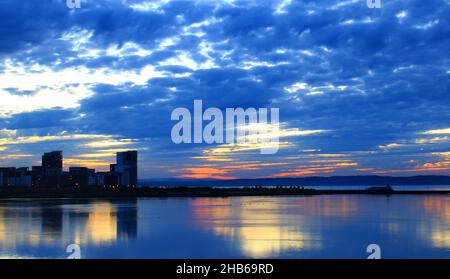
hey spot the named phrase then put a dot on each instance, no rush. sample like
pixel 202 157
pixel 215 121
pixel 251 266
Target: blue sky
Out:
pixel 360 91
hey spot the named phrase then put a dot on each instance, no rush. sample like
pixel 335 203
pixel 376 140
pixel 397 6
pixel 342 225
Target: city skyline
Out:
pixel 64 166
pixel 51 174
pixel 360 91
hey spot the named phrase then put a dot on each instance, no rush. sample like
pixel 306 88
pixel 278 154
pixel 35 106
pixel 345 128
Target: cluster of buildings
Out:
pixel 51 174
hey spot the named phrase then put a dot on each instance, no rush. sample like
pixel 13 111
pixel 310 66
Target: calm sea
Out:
pixel 334 226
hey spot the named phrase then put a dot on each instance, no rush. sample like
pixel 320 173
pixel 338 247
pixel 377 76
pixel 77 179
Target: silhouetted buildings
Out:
pixel 81 176
pixel 121 174
pixel 127 168
pixel 52 163
pixel 15 177
pixel 51 174
pixel 108 179
pixel 36 175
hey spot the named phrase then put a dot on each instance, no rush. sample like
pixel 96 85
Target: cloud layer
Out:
pixel 107 76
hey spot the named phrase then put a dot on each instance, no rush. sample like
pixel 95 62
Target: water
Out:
pixel 364 187
pixel 395 187
pixel 332 226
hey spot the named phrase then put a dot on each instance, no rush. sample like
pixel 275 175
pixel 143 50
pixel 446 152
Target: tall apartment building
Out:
pixel 127 168
pixel 52 163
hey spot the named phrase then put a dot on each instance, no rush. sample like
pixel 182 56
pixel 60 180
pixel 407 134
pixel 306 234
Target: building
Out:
pixel 23 177
pixel 108 179
pixel 6 176
pixel 51 175
pixel 112 167
pixel 15 177
pixel 52 163
pixel 36 175
pixel 52 171
pixel 126 167
pixel 82 177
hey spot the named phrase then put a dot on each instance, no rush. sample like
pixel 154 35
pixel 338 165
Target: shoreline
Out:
pixel 148 192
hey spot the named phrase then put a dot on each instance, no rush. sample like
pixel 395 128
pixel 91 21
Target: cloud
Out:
pixel 327 168
pixel 15 156
pixel 37 139
pixel 445 131
pixel 203 173
pixel 356 79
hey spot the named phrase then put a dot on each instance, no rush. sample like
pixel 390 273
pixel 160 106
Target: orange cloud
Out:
pixel 221 172
pixel 15 156
pixel 97 164
pixel 366 169
pixel 313 170
pixel 204 172
pixel 438 166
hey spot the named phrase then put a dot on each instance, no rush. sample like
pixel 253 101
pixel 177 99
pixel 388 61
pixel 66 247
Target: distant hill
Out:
pixel 365 180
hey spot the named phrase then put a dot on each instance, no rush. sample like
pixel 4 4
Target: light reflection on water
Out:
pixel 334 226
pixel 262 228
pixel 439 212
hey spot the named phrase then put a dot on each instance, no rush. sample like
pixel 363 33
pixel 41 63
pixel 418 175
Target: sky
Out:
pixel 360 91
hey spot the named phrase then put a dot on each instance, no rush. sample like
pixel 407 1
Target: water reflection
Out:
pixel 100 226
pixel 268 227
pixel 34 223
pixel 51 220
pixel 439 209
pixel 332 225
pixel 339 226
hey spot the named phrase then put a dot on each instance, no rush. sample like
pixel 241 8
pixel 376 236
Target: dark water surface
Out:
pixel 332 226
